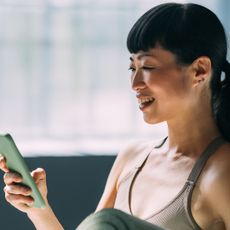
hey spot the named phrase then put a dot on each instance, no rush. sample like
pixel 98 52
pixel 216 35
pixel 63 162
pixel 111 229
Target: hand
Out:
pixel 19 195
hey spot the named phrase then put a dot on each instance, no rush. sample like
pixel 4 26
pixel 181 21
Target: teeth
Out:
pixel 145 100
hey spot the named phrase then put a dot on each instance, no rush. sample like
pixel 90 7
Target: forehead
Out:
pixel 157 53
pixel 140 55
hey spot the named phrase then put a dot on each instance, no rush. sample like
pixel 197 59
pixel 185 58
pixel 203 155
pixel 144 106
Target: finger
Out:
pixel 18 189
pixel 12 177
pixel 3 165
pixel 38 174
pixel 16 199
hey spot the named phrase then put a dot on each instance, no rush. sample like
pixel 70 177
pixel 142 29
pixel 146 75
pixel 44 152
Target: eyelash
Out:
pixel 145 68
pixel 131 69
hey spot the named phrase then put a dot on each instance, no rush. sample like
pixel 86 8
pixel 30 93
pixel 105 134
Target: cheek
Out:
pixel 169 100
pixel 168 86
pixel 171 90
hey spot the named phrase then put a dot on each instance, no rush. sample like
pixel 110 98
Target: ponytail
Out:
pixel 226 70
pixel 222 110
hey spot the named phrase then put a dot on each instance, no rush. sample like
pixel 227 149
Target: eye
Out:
pixel 132 69
pixel 148 68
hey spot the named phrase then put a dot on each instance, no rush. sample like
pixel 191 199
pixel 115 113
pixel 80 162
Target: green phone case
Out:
pixel 16 162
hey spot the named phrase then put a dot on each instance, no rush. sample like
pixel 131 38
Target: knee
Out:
pixel 109 219
pixel 110 212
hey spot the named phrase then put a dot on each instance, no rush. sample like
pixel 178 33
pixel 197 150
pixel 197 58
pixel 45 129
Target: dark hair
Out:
pixel 189 31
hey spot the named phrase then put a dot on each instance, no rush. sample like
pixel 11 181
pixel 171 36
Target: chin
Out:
pixel 151 120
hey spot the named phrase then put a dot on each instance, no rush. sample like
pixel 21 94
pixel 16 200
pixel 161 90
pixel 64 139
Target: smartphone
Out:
pixel 16 163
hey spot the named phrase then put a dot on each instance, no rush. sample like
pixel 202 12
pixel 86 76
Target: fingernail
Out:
pixel 31 202
pixel 18 179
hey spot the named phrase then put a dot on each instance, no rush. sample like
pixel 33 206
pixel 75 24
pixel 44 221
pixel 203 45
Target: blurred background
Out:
pixel 65 94
pixel 64 79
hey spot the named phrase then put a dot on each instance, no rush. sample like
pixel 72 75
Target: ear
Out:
pixel 201 70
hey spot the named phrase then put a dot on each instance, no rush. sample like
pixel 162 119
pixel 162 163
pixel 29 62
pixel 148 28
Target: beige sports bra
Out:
pixel 177 213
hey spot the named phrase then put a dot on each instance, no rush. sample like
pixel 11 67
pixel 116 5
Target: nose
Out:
pixel 137 81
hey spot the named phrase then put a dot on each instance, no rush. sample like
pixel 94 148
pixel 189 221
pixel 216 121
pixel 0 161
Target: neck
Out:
pixel 191 135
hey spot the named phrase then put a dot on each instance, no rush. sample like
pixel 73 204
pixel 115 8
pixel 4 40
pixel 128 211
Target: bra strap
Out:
pixel 199 165
pixel 142 163
pixel 138 169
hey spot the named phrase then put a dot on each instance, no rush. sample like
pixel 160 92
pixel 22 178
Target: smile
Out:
pixel 145 102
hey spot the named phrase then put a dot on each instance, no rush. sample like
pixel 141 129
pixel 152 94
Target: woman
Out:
pixel 178 55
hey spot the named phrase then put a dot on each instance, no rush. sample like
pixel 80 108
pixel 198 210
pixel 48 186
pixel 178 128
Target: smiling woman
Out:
pixel 178 55
pixel 158 80
pixel 176 67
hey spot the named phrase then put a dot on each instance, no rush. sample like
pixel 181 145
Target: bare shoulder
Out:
pixel 218 168
pixel 132 153
pixel 220 163
pixel 132 156
pixel 126 160
pixel 216 184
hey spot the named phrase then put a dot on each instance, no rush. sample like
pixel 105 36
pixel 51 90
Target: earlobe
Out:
pixel 202 69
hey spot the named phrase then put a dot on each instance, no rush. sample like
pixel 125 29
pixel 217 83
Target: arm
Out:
pixel 19 196
pixel 221 197
pixel 219 189
pixel 43 218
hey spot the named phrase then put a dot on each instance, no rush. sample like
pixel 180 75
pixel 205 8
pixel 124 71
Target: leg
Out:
pixel 113 219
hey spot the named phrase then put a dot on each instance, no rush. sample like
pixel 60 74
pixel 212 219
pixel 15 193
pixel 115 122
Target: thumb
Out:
pixel 39 175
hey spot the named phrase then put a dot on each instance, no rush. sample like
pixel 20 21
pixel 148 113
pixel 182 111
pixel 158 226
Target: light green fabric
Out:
pixel 113 219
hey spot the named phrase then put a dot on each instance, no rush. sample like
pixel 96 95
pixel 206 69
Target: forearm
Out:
pixel 45 219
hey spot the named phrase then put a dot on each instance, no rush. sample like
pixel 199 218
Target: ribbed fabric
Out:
pixel 176 214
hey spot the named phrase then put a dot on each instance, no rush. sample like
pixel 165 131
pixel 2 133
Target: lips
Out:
pixel 145 102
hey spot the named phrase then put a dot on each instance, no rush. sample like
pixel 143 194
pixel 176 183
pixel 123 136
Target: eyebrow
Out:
pixel 141 56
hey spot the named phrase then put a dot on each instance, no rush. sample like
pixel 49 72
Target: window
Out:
pixel 64 79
